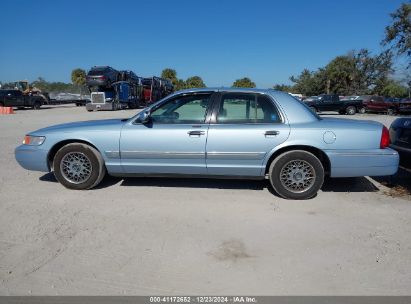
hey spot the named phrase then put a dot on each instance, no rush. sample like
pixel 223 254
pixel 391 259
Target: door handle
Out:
pixel 271 133
pixel 195 133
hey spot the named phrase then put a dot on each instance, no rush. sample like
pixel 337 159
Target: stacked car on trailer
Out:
pixel 112 90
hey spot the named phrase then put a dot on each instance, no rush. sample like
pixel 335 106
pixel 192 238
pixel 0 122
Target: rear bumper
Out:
pixel 352 163
pixel 32 158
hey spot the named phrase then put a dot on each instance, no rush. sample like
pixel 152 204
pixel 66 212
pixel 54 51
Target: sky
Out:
pixel 221 41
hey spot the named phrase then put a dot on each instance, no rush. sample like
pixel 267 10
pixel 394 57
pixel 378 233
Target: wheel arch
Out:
pixel 325 161
pixel 60 144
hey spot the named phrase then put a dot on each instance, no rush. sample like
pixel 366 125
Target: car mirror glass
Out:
pixel 144 117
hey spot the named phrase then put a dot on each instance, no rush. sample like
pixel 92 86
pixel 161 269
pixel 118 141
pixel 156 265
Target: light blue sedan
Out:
pixel 215 133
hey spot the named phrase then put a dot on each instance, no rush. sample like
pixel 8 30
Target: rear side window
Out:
pixel 247 108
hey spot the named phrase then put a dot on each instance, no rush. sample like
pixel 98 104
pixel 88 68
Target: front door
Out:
pixel 247 126
pixel 172 142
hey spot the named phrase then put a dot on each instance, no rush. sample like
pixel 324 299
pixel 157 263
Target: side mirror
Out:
pixel 144 117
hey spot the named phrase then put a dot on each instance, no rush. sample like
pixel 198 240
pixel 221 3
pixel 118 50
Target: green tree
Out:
pixel 340 74
pixel 194 82
pixel 398 33
pixel 354 73
pixel 243 83
pixel 284 88
pixel 180 85
pixel 394 89
pixel 170 74
pixel 78 77
pixel 309 83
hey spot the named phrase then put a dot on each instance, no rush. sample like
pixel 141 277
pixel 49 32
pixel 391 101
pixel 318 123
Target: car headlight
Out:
pixel 33 140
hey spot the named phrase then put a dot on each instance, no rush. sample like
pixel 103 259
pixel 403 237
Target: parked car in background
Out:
pixel 400 134
pixel 102 76
pixel 327 102
pixel 156 88
pixel 379 104
pixel 16 98
pixel 404 106
pixel 237 133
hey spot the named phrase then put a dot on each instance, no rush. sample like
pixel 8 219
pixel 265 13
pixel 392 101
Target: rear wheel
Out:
pixel 391 111
pixel 351 110
pixel 313 109
pixel 78 166
pixel 362 110
pixel 36 105
pixel 296 175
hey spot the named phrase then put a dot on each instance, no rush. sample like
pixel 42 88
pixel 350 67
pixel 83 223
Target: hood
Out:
pixel 91 125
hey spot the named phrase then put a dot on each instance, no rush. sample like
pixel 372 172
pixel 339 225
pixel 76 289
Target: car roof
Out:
pixel 226 89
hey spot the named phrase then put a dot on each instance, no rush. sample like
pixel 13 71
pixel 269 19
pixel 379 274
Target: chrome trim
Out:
pixel 235 155
pixel 362 154
pixel 112 154
pixel 168 154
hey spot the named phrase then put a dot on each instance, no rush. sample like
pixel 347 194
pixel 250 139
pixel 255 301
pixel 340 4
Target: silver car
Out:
pixel 215 133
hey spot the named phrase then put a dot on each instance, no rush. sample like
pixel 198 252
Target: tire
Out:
pixel 391 111
pixel 281 166
pixel 350 110
pixel 36 105
pixel 78 154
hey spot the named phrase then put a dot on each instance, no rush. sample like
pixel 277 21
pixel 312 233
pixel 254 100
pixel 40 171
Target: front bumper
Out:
pixel 108 106
pixel 32 158
pixel 353 163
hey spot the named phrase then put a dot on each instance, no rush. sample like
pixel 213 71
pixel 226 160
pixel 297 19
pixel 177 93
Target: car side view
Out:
pixel 215 133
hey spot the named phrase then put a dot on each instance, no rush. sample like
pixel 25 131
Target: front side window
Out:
pixel 247 108
pixel 188 109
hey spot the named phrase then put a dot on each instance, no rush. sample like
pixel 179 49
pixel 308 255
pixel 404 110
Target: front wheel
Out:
pixel 351 110
pixel 78 166
pixel 296 175
pixel 362 110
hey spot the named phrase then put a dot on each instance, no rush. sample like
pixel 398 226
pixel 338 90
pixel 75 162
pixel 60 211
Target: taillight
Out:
pixel 385 138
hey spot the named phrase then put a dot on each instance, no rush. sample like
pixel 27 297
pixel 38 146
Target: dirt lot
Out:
pixel 184 236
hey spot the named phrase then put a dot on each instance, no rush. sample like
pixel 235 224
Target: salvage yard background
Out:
pixel 186 236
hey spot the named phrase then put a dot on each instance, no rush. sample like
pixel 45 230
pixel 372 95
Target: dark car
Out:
pixel 400 135
pixel 102 76
pixel 16 98
pixel 331 102
pixel 129 76
pixel 404 106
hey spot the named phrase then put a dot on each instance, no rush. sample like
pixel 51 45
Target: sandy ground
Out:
pixel 187 237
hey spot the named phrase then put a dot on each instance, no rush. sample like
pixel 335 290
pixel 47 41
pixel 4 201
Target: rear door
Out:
pixel 244 127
